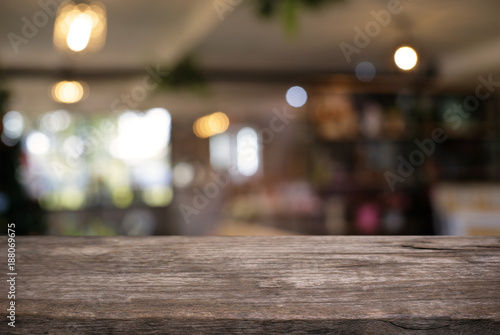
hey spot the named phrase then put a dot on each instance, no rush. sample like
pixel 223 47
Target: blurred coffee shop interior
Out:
pixel 263 117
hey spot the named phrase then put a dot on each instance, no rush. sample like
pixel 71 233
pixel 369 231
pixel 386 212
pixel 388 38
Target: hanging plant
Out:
pixel 289 10
pixel 185 75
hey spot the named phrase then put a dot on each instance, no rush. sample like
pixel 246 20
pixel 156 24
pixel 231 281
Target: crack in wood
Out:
pixel 415 328
pixel 427 248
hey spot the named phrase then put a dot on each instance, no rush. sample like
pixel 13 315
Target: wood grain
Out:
pixel 256 285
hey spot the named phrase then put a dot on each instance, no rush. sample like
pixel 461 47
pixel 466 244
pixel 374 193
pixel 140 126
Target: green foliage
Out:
pixel 188 76
pixel 185 75
pixel 289 10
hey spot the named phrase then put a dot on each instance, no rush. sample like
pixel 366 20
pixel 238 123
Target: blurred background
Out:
pixel 264 117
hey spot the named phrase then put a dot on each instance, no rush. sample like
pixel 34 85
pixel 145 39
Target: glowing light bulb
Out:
pixel 67 92
pixel 80 27
pixel 79 32
pixel 405 58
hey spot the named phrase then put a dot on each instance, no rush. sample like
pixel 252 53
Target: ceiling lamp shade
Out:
pixel 80 27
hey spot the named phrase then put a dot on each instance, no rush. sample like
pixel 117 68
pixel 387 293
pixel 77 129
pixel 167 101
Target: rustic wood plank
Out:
pixel 256 285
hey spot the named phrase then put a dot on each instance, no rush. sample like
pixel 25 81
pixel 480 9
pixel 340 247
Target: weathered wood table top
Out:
pixel 255 285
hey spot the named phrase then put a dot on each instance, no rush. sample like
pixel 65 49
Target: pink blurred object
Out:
pixel 367 218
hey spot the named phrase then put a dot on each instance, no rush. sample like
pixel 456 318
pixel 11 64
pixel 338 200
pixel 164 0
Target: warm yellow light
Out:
pixel 79 32
pixel 68 92
pixel 210 125
pixel 80 27
pixel 405 58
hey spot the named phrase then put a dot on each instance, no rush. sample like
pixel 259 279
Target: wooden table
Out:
pixel 255 285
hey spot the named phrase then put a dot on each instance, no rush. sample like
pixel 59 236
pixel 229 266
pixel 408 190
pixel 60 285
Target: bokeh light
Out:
pixel 296 96
pixel 38 143
pixel 210 125
pixel 80 27
pixel 122 197
pixel 142 136
pixel 405 58
pixel 13 125
pixel 220 151
pixel 247 146
pixel 68 92
pixel 365 71
pixel 56 121
pixel 183 174
pixel 157 196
